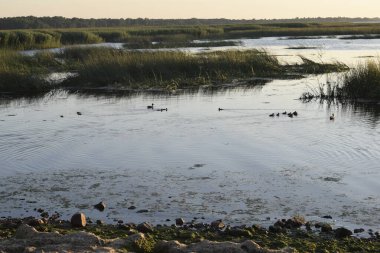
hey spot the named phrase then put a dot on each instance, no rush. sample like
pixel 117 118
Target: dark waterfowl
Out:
pixel 150 106
pixel 290 115
pixel 278 114
pixel 295 113
pixel 220 109
pixel 271 115
pixel 332 117
pixel 284 113
pixel 61 116
pixel 166 109
pixel 79 113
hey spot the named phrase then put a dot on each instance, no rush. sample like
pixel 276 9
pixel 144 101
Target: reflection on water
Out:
pixel 193 160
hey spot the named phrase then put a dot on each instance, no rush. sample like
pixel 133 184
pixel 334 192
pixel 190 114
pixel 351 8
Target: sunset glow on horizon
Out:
pixel 237 9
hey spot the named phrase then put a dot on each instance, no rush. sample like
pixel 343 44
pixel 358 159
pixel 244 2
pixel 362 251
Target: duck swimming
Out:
pixel 332 117
pixel 295 113
pixel 271 115
pixel 284 113
pixel 220 109
pixel 290 115
pixel 150 106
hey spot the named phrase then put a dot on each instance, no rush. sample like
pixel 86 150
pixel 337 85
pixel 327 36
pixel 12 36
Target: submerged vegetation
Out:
pixel 169 70
pixel 180 44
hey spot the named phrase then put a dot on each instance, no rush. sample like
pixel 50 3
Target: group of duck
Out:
pixel 290 114
pixel 158 110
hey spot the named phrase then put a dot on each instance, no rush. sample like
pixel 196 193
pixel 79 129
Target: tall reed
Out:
pixel 363 81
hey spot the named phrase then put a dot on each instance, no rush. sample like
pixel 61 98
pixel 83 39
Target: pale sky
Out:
pixel 233 9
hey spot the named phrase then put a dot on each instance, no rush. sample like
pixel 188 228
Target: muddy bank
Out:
pixel 50 234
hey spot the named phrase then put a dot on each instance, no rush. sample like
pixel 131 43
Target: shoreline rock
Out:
pixel 53 235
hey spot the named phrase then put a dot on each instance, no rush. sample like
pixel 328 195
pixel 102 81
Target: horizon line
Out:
pixel 293 18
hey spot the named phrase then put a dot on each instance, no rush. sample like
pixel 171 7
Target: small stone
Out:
pixel 218 224
pixel 342 232
pixel 143 211
pixel 120 221
pixel 40 210
pixel 100 206
pixel 179 222
pixel 45 215
pixel 295 222
pixel 237 232
pixel 279 223
pixel 132 208
pixel 99 222
pixel 145 228
pixel 359 230
pixel 200 225
pixel 78 220
pixel 35 222
pixel 308 226
pixel 277 229
pixel 326 228
pixel 327 217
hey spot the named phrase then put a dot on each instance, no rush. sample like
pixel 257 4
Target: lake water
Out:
pixel 238 164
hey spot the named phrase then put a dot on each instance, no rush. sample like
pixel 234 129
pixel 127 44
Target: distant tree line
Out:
pixel 32 22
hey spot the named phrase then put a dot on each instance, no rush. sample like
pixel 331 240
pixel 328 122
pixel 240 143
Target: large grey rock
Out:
pixel 215 247
pixel 28 239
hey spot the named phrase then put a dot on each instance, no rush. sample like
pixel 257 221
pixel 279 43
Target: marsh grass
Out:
pixel 20 73
pixel 48 38
pixel 170 69
pixel 130 69
pixel 98 67
pixel 363 81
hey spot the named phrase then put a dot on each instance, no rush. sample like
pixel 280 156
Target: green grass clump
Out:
pixel 311 67
pixel 79 37
pixel 22 40
pixel 363 81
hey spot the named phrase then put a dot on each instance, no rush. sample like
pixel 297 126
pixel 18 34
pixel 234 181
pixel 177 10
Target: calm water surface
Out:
pixel 192 161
